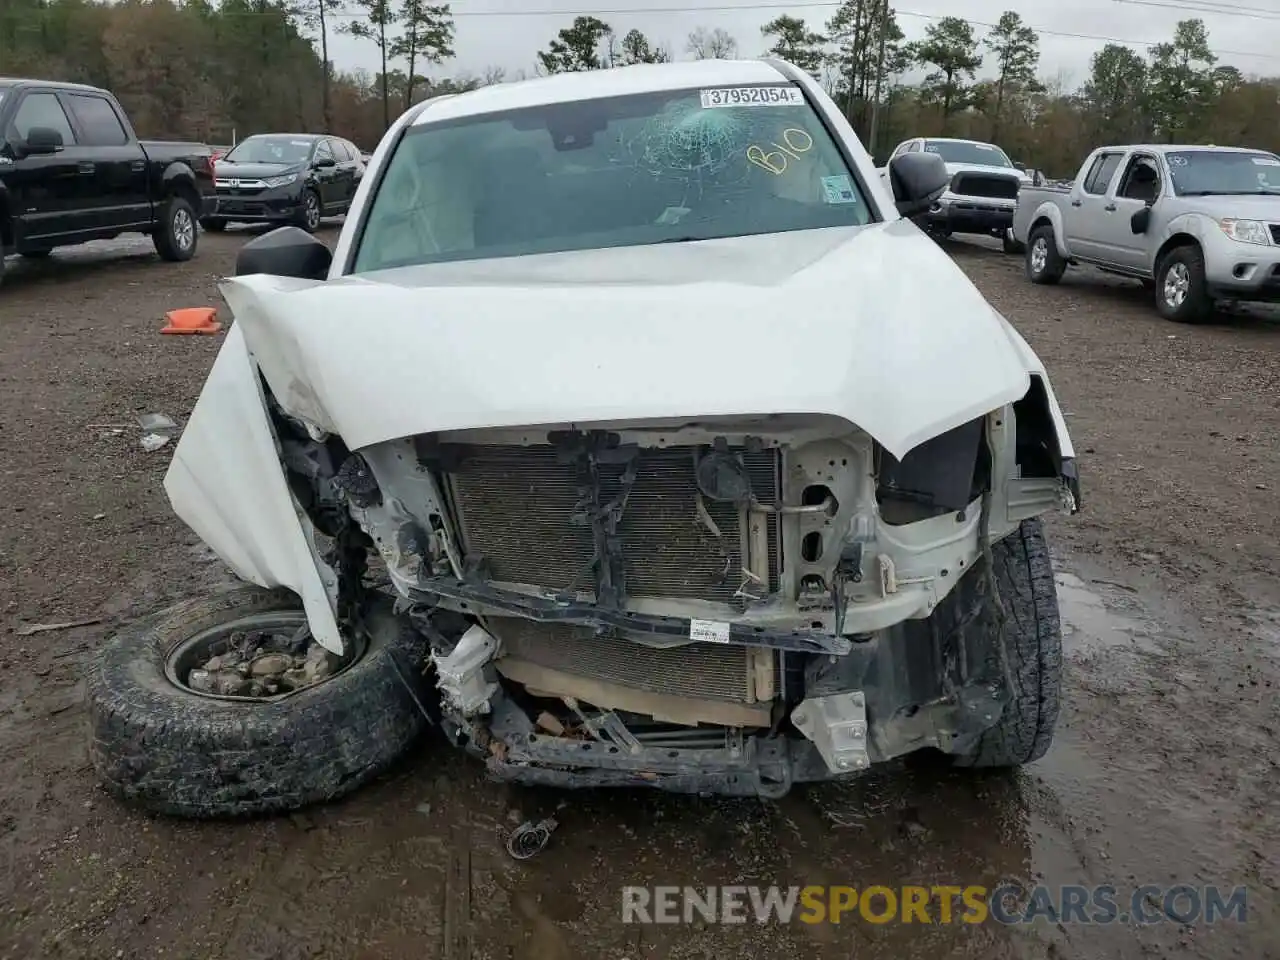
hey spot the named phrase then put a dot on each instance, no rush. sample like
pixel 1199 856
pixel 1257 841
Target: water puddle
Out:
pixel 1090 624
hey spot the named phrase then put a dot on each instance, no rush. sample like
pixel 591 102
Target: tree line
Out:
pixel 209 70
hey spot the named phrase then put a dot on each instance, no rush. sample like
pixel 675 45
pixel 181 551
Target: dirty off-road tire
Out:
pixel 1044 263
pixel 1033 645
pixel 1181 292
pixel 174 752
pixel 176 235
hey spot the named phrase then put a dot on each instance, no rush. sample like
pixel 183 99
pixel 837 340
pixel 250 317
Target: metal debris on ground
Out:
pixel 256 665
pixel 157 430
pixel 531 838
pixel 28 629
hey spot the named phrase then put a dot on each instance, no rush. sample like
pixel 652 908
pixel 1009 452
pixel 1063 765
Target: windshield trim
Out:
pixel 413 123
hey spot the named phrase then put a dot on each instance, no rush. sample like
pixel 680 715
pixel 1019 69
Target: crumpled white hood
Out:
pixel 875 325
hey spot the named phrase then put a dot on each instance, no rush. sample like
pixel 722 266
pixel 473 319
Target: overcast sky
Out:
pixel 508 33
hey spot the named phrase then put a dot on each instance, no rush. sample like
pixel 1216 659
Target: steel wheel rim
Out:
pixel 1039 255
pixel 184 229
pixel 1177 285
pixel 313 211
pixel 195 650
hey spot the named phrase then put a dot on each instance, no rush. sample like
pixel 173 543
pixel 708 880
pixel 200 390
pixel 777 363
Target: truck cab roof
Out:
pixel 11 83
pixel 1163 148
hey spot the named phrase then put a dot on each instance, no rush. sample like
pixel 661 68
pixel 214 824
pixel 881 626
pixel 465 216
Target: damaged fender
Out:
pixel 226 483
pixel 1036 368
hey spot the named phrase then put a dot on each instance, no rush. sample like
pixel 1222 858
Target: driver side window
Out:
pixel 41 110
pixel 1141 180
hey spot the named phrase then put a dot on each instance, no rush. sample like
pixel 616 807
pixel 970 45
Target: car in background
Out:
pixel 1193 223
pixel 983 190
pixel 296 178
pixel 72 170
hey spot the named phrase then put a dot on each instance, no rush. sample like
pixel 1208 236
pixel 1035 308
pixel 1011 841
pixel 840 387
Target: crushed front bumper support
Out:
pixel 480 597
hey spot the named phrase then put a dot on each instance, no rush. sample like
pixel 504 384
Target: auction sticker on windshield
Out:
pixel 752 97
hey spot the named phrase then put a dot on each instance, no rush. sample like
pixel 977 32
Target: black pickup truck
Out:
pixel 72 170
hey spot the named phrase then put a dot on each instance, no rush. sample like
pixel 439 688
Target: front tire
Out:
pixel 170 750
pixel 176 235
pixel 1182 294
pixel 1032 648
pixel 309 214
pixel 1044 264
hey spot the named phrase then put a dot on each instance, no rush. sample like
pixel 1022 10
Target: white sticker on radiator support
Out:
pixel 709 631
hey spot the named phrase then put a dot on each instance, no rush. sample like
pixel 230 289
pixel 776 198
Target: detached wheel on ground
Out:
pixel 175 236
pixel 309 213
pixel 213 224
pixel 192 714
pixel 1032 641
pixel 1181 292
pixel 1044 264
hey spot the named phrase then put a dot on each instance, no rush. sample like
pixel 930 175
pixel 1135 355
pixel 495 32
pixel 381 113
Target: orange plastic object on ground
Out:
pixel 192 320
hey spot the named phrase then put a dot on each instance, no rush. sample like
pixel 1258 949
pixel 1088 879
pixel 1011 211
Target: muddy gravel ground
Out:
pixel 1164 771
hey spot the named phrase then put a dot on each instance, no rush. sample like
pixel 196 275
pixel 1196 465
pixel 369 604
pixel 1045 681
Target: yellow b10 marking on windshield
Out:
pixel 794 142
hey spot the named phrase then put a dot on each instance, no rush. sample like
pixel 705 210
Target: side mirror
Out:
pixel 1140 220
pixel 917 179
pixel 285 252
pixel 324 162
pixel 42 141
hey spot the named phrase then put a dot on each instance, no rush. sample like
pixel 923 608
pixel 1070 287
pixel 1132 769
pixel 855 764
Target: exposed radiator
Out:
pixel 983 185
pixel 700 671
pixel 515 506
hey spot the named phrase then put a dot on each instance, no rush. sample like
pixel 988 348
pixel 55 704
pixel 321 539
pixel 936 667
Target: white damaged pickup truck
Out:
pixel 632 436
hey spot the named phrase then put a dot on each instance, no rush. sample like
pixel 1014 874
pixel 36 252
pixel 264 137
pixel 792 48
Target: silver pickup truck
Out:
pixel 1195 223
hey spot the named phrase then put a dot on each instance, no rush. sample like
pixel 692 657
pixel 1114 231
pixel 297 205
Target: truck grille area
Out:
pixel 981 185
pixel 516 507
pixel 699 671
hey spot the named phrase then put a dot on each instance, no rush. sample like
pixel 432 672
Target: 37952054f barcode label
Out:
pixel 778 96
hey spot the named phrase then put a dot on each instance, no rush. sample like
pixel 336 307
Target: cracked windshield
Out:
pixel 653 168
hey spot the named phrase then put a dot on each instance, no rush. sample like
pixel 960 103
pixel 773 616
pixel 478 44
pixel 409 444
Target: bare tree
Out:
pixel 714 44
